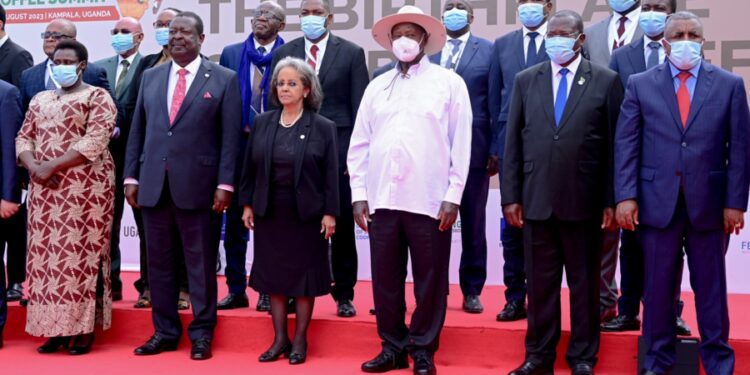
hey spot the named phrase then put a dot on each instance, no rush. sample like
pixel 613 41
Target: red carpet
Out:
pixel 470 344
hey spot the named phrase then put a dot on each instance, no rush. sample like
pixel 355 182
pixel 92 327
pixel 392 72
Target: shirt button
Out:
pixel 556 137
pixel 169 133
pixel 684 144
pixel 164 159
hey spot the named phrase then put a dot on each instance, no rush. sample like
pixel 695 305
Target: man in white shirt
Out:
pixel 408 164
pixel 613 32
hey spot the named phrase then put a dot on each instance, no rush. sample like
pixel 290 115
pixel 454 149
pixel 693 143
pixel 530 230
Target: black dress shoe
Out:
pixel 14 293
pixel 270 356
pixel 233 301
pixel 649 372
pixel 472 304
pixel 513 310
pixel 682 328
pixel 264 303
pixel 345 309
pixel 297 358
pixel 423 364
pixel 606 314
pixel 81 344
pixel 201 349
pixel 386 361
pixel 531 368
pixel 156 345
pixel 622 323
pixel 54 344
pixel 372 311
pixel 582 368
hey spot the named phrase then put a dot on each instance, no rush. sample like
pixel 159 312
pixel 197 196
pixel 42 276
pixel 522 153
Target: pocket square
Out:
pixel 207 95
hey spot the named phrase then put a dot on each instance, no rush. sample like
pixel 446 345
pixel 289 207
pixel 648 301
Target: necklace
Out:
pixel 289 125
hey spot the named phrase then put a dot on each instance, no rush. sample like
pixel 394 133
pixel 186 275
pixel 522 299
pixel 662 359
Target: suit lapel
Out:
pixel 332 49
pixel 581 82
pixel 163 90
pixel 129 77
pixel 520 53
pixel 270 137
pixel 203 75
pixel 111 67
pixel 469 51
pixel 702 91
pixel 544 88
pixel 637 56
pixel 666 85
pixel 301 146
pixel 41 77
pixel 4 50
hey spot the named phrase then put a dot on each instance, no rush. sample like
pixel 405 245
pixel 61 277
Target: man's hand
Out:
pixel 627 214
pixel 362 214
pixel 8 209
pixel 447 215
pixel 493 165
pixel 222 200
pixel 734 220
pixel 328 226
pixel 513 214
pixel 131 195
pixel 248 217
pixel 608 220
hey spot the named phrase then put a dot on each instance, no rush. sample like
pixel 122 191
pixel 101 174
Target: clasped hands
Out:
pixel 44 173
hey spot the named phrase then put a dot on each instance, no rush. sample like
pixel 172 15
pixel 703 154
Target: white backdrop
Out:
pixel 228 21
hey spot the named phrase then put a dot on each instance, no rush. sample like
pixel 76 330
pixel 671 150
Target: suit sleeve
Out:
pixel 512 176
pixel 247 175
pixel 496 101
pixel 12 118
pixel 359 78
pixel 224 59
pixel 628 145
pixel 137 136
pixel 738 169
pixel 22 62
pixel 614 101
pixel 231 124
pixel 332 204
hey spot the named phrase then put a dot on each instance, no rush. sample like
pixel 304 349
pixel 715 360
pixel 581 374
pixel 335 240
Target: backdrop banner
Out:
pixel 228 21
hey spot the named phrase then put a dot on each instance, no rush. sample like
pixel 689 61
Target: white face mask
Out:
pixel 405 49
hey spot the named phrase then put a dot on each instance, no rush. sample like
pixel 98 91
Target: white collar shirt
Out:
pixel 120 59
pixel 557 76
pixel 542 30
pixel 630 26
pixel 192 69
pixel 322 44
pixel 647 50
pixel 448 48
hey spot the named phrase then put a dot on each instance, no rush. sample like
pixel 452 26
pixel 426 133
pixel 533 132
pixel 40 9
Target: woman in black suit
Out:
pixel 289 190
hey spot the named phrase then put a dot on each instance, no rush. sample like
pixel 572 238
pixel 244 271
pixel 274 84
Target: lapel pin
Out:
pixel 207 75
pixel 581 81
pixel 302 136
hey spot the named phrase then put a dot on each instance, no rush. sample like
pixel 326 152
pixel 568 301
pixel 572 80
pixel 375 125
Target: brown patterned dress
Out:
pixel 69 227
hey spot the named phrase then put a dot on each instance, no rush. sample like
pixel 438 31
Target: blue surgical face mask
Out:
pixel 620 6
pixel 531 14
pixel 653 23
pixel 162 36
pixel 455 19
pixel 313 26
pixel 685 54
pixel 122 43
pixel 65 75
pixel 560 49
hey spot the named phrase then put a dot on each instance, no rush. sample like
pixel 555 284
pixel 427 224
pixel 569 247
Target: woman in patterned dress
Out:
pixel 63 144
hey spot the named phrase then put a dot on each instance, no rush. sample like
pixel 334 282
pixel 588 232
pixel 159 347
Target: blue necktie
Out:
pixel 562 96
pixel 653 58
pixel 531 50
pixel 454 52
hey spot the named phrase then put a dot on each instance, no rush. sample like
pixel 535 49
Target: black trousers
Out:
pixel 393 236
pixel 114 242
pixel 142 283
pixel 199 231
pixel 343 246
pixel 473 268
pixel 552 245
pixel 13 234
pixel 236 235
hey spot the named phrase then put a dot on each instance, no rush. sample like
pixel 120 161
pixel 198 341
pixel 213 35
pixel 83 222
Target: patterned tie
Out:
pixel 653 58
pixel 619 42
pixel 450 64
pixel 121 78
pixel 562 96
pixel 50 82
pixel 314 61
pixel 179 95
pixel 256 100
pixel 683 97
pixel 531 49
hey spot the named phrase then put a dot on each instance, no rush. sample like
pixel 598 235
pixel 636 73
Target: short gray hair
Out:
pixel 326 5
pixel 309 79
pixel 683 16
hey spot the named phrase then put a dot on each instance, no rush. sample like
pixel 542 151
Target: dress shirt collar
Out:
pixel 192 68
pixel 573 67
pixel 542 30
pixel 693 72
pixel 463 38
pixel 3 40
pixel 130 59
pixel 268 46
pixel 633 16
pixel 321 44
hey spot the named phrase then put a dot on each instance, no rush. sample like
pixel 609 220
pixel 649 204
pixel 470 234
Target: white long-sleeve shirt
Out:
pixel 411 143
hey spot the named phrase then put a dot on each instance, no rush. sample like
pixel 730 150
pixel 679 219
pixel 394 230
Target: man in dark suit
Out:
pixel 342 71
pixel 557 186
pixel 11 118
pixel 681 162
pixel 127 36
pixel 13 60
pixel 637 57
pixel 251 60
pixel 512 53
pixel 180 169
pixel 161 26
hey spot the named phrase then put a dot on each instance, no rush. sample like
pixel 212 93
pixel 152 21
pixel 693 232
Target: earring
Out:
pixel 305 96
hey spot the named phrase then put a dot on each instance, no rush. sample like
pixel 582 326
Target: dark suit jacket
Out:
pixel 315 166
pixel 629 60
pixel 13 61
pixel 343 76
pixel 147 62
pixel 11 119
pixel 564 171
pixel 596 48
pixel 655 158
pixel 507 61
pixel 198 151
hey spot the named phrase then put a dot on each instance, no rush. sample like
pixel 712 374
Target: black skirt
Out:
pixel 290 255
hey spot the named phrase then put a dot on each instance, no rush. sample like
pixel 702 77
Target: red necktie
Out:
pixel 683 97
pixel 179 95
pixel 314 52
pixel 619 42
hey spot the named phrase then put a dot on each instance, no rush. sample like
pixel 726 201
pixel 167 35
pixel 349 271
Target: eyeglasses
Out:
pixel 55 35
pixel 122 31
pixel 572 36
pixel 266 13
pixel 159 25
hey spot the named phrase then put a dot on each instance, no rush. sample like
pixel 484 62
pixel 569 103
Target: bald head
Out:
pixel 129 23
pixel 64 26
pixel 59 29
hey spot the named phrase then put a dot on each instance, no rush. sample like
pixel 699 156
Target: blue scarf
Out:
pixel 250 55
